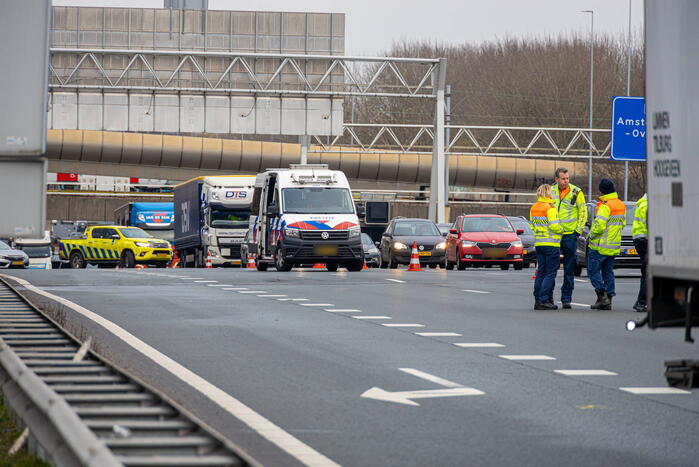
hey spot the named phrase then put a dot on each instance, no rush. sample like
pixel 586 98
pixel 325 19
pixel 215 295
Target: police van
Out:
pixel 304 215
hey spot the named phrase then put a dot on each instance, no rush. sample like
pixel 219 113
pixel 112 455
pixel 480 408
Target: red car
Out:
pixel 484 239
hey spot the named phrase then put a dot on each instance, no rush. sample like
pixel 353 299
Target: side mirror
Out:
pixel 453 231
pixel 272 211
pixel 115 236
pixel 444 234
pixel 520 231
pixel 361 211
pixel 377 243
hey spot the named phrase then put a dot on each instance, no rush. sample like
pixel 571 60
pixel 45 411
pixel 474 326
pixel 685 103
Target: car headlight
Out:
pixel 517 243
pixel 440 246
pixel 143 244
pixel 354 232
pixel 468 244
pixel 399 246
pixel 295 233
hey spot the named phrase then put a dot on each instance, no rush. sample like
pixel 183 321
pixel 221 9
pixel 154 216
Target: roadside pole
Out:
pixel 628 93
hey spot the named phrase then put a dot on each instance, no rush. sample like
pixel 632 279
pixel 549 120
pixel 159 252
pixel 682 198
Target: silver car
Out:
pixel 11 258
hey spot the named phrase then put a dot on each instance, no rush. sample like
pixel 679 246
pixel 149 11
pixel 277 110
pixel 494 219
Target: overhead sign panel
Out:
pixel 628 128
pixel 24 59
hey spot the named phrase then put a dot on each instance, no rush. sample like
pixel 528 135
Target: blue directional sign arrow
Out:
pixel 628 128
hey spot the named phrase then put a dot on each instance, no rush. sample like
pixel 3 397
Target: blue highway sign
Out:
pixel 628 128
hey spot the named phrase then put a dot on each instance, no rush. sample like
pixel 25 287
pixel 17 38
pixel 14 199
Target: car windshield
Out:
pixel 36 251
pixel 317 200
pixel 231 218
pixel 416 229
pixel 134 232
pixel 366 240
pixel 4 246
pixel 522 224
pixel 485 224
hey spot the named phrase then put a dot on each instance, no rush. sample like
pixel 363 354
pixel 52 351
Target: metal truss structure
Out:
pixel 242 73
pixel 472 140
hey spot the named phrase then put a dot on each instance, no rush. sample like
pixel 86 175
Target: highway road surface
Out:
pixel 389 367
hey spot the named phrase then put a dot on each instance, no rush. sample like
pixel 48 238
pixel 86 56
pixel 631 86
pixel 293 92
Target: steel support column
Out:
pixel 438 176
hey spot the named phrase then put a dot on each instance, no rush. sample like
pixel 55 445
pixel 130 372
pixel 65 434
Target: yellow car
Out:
pixel 110 245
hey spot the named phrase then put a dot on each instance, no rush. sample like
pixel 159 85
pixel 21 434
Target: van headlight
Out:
pixel 294 233
pixel 354 232
pixel 399 246
pixel 440 246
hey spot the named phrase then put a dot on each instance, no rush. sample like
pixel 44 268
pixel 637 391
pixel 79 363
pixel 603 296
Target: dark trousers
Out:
pixel 569 243
pixel 600 268
pixel 641 245
pixel 548 258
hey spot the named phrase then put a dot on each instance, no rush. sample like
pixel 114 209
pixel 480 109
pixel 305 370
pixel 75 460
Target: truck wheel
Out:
pixel 127 260
pixel 355 266
pixel 261 265
pixel 505 267
pixel 332 267
pixel 280 263
pixel 77 260
pixel 518 266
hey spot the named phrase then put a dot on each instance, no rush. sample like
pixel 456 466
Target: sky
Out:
pixel 371 26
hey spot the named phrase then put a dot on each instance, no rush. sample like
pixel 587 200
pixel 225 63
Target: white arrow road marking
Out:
pixel 431 378
pixel 404 397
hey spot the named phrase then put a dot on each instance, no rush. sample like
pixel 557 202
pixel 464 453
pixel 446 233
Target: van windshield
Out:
pixel 222 217
pixel 36 251
pixel 317 200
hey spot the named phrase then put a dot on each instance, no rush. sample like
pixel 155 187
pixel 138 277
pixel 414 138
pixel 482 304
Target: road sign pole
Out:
pixel 628 93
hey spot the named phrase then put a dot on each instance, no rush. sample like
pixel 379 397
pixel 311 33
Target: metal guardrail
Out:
pixel 81 411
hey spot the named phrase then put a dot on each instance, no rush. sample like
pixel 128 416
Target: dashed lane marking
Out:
pixel 372 317
pixel 235 288
pixel 403 325
pixel 219 285
pixel 438 334
pixel 396 280
pixel 251 291
pixel 190 278
pixel 586 372
pixel 431 378
pixel 316 304
pixel 205 282
pixel 271 296
pixel 478 344
pixel 474 291
pixel 526 357
pixel 293 299
pixel 261 425
pixel 650 390
pixel 342 310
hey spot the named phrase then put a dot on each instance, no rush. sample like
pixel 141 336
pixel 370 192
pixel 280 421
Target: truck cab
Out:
pixel 158 219
pixel 38 250
pixel 304 215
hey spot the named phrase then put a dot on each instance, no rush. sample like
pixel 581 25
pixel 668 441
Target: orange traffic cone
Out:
pixel 175 260
pixel 208 260
pixel 251 262
pixel 319 266
pixel 414 259
pixel 365 266
pixel 140 266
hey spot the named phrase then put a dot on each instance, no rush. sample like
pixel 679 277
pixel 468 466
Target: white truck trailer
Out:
pixel 211 219
pixel 672 113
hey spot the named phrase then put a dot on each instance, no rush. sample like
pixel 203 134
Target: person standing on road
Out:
pixel 604 242
pixel 640 241
pixel 543 217
pixel 572 211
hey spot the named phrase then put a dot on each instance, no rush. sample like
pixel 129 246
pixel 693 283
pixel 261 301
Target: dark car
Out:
pixel 396 243
pixel 628 257
pixel 371 253
pixel 484 240
pixel 527 237
pixel 11 258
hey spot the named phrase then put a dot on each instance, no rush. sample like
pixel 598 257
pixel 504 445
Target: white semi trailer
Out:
pixel 672 116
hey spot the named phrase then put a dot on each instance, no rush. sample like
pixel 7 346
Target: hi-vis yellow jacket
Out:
pixel 640 218
pixel 543 217
pixel 610 219
pixel 571 209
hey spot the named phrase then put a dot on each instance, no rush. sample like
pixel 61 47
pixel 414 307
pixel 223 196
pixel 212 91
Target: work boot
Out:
pixel 602 300
pixel 545 306
pixel 566 306
pixel 640 307
pixel 609 306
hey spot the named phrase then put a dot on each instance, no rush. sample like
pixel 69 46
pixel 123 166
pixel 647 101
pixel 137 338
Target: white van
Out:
pixel 38 250
pixel 304 215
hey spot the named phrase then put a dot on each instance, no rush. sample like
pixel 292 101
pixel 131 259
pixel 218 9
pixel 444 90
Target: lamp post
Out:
pixel 628 93
pixel 592 88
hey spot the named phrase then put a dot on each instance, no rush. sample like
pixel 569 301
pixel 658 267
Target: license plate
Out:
pixel 425 253
pixel 494 253
pixel 225 251
pixel 17 263
pixel 326 250
pixel 631 252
